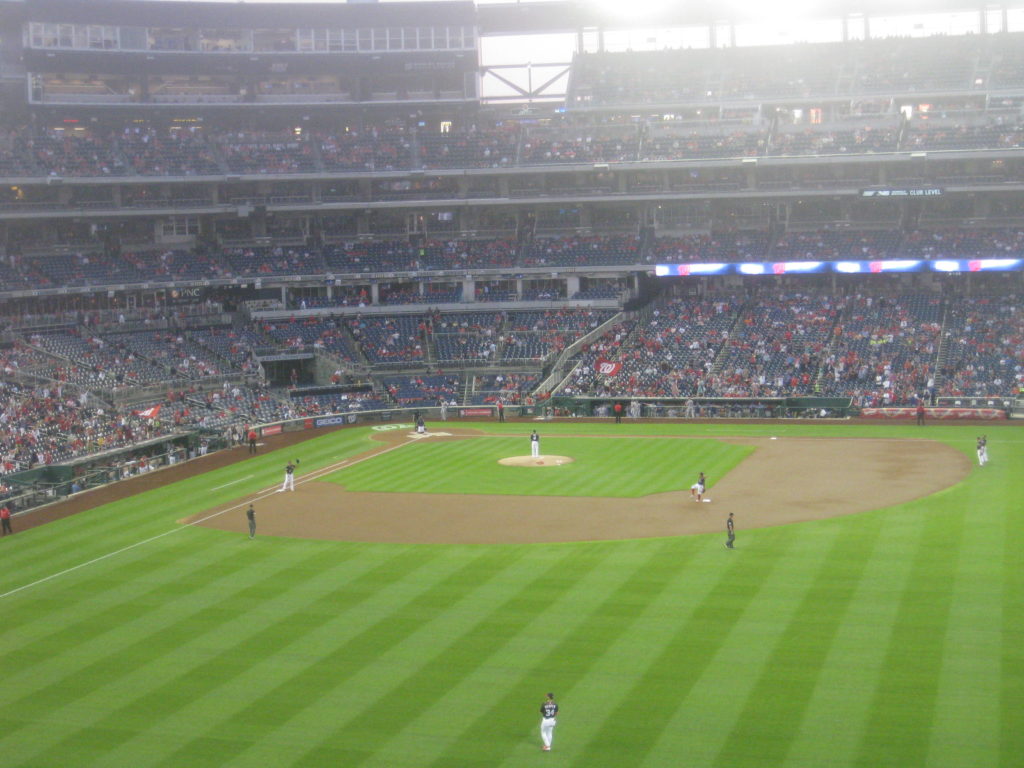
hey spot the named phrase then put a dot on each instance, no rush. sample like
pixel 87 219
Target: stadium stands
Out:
pixel 723 155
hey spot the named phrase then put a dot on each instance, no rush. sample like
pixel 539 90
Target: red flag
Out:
pixel 151 413
pixel 607 367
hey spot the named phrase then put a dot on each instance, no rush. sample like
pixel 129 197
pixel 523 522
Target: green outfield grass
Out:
pixel 620 467
pixel 888 638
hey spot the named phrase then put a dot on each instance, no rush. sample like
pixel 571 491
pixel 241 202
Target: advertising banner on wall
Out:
pixel 934 413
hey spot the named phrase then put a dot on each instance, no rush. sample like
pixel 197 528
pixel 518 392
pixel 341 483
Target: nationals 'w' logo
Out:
pixel 607 367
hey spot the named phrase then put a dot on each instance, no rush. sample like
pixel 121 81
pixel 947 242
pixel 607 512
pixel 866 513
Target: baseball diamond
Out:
pixel 828 477
pixel 337 637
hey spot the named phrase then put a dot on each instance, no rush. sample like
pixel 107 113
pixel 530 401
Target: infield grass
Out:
pixel 888 638
pixel 613 466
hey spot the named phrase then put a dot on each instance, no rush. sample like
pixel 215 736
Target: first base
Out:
pixel 707 501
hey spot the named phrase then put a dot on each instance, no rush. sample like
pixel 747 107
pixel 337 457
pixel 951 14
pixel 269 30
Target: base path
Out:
pixel 785 480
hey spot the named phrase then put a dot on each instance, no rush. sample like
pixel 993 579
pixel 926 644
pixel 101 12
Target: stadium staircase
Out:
pixel 983 67
pixel 904 124
pixel 562 368
pixel 429 349
pixel 318 158
pixel 942 353
pixel 356 346
pixel 827 350
pixel 846 79
pixel 721 356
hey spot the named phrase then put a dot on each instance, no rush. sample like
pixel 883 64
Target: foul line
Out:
pixel 261 494
pixel 239 480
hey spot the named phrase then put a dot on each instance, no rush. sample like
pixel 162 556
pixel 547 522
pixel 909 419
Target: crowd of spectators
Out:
pixel 984 347
pixel 266 152
pixel 884 350
pixel 776 347
pixel 423 391
pixel 508 388
pixel 895 349
pixel 50 423
pixel 159 151
pixel 153 150
pixel 877 350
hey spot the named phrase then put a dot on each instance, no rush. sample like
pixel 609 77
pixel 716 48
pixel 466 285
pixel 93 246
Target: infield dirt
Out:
pixel 782 481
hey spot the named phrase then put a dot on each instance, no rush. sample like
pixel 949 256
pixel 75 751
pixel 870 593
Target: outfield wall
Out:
pixel 384 416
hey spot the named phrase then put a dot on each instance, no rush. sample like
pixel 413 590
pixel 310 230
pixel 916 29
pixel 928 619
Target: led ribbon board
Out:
pixel 845 267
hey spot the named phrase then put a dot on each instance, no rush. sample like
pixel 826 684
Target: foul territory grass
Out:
pixel 888 638
pixel 620 466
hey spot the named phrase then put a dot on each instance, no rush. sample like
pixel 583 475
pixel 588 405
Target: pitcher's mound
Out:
pixel 536 461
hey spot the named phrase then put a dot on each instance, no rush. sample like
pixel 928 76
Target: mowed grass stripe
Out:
pixel 88 607
pixel 195 695
pixel 76 685
pixel 698 723
pixel 835 719
pixel 317 629
pixel 97 534
pixel 88 657
pixel 433 733
pixel 897 734
pixel 967 709
pixel 1011 656
pixel 605 686
pixel 559 654
pixel 777 701
pixel 467 653
pixel 47 549
pixel 625 739
pixel 179 663
pixel 621 468
pixel 291 710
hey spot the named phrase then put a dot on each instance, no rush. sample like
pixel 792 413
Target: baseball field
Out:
pixel 412 601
